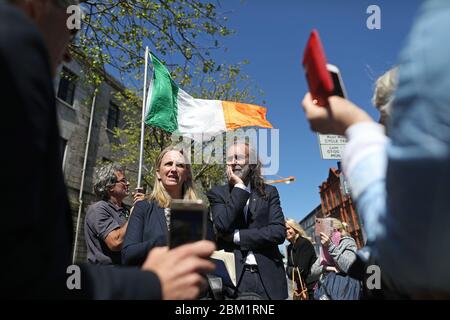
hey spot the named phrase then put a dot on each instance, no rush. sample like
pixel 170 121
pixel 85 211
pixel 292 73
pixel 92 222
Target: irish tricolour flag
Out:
pixel 172 109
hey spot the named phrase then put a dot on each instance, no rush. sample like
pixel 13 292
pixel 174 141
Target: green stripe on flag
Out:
pixel 163 109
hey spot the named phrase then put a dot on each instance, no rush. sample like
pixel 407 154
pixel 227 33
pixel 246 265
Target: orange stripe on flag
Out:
pixel 244 115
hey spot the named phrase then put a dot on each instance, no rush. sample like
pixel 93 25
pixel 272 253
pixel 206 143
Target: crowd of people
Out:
pixel 400 183
pixel 128 257
pixel 38 234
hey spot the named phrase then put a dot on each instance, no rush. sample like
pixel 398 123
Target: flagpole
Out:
pixel 83 174
pixel 141 149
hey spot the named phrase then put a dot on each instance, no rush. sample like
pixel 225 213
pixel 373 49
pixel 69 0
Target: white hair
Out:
pixel 383 96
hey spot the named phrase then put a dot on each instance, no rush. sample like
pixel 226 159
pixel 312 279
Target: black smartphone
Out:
pixel 188 221
pixel 339 89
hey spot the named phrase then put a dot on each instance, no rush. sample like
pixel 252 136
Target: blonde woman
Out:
pixel 149 224
pixel 300 253
pixel 337 254
pixel 384 93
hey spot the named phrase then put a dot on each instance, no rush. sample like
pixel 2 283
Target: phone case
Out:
pixel 338 84
pixel 315 65
pixel 323 225
pixel 188 219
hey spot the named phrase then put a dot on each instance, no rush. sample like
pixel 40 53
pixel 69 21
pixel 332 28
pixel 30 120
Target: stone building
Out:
pixel 74 102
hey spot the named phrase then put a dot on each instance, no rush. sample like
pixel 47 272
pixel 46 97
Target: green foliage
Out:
pixel 115 32
pixel 113 40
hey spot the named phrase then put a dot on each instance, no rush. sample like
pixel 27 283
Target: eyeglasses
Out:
pixel 124 181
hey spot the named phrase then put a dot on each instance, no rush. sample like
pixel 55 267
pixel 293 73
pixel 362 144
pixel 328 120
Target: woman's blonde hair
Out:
pixel 340 226
pixel 159 192
pixel 298 229
pixel 383 96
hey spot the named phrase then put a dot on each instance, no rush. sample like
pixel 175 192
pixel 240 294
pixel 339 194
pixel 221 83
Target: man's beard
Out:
pixel 243 172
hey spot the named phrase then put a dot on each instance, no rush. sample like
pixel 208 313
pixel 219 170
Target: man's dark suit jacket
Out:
pixel 36 220
pixel 263 231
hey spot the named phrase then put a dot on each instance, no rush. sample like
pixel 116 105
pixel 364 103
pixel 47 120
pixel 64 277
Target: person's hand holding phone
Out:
pixel 336 117
pixel 326 112
pixel 181 269
pixel 324 240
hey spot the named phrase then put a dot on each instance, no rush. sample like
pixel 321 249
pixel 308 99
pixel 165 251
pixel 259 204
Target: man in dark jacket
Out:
pixel 249 220
pixel 37 226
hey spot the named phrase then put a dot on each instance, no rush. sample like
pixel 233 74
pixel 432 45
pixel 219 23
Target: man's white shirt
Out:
pixel 250 259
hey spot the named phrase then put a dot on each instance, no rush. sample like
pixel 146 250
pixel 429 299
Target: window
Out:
pixel 337 197
pixel 63 146
pixel 330 202
pixel 113 116
pixel 67 84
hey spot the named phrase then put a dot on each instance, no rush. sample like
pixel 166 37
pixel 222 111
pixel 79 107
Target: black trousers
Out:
pixel 251 282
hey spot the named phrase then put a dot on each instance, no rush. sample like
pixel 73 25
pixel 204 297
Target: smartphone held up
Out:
pixel 324 80
pixel 338 84
pixel 188 222
pixel 323 225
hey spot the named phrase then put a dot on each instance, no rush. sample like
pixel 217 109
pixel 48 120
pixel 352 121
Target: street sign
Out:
pixel 332 139
pixel 331 146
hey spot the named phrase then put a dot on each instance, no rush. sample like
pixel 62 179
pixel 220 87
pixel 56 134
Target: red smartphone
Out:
pixel 318 77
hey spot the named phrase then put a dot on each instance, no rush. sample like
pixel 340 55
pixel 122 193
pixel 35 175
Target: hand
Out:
pixel 232 178
pixel 180 270
pixel 335 118
pixel 324 239
pixel 137 196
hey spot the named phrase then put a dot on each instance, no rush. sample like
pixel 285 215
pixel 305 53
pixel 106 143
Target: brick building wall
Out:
pixel 337 203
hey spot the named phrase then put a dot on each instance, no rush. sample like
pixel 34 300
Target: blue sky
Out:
pixel 272 35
